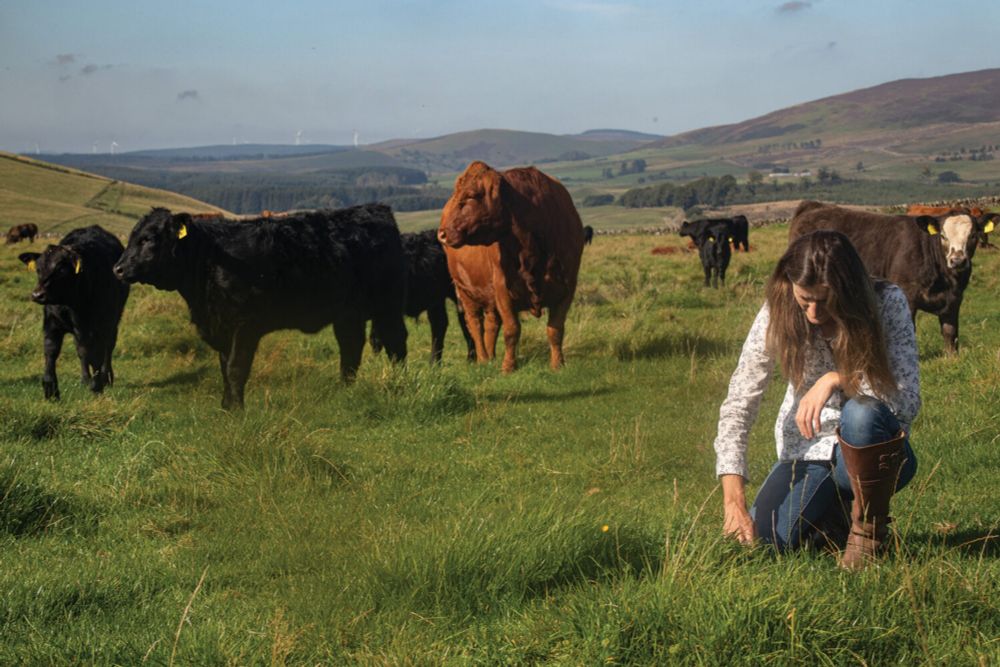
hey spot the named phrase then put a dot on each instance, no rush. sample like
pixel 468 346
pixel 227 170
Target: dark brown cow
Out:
pixel 28 230
pixel 930 258
pixel 514 242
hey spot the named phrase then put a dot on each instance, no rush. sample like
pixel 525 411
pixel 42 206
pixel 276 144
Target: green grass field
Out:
pixel 59 199
pixel 452 515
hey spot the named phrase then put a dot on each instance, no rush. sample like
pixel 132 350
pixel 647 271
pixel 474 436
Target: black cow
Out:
pixel 243 279
pixel 740 235
pixel 28 230
pixel 713 248
pixel 929 257
pixel 741 232
pixel 588 234
pixel 429 286
pixel 81 297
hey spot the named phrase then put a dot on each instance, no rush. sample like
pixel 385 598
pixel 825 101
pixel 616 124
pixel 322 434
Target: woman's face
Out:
pixel 812 301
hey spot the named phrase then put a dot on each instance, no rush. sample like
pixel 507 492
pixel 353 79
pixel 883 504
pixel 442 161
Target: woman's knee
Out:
pixel 867 421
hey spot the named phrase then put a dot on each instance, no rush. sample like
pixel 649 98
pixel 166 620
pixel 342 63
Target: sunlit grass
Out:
pixel 454 515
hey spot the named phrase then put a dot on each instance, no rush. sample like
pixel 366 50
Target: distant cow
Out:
pixel 514 242
pixel 930 258
pixel 713 248
pixel 429 286
pixel 588 234
pixel 243 279
pixel 741 232
pixel 977 214
pixel 28 230
pixel 739 235
pixel 82 297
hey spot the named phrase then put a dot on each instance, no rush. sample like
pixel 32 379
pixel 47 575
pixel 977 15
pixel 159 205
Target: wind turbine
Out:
pixel 355 138
pixel 93 148
pixel 298 137
pixel 114 145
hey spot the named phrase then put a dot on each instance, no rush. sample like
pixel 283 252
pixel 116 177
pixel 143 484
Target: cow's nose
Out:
pixel 38 296
pixel 442 237
pixel 118 271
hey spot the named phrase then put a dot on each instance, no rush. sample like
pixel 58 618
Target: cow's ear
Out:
pixel 988 222
pixel 929 224
pixel 181 221
pixel 30 259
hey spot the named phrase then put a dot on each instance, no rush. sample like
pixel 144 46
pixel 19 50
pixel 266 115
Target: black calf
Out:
pixel 82 297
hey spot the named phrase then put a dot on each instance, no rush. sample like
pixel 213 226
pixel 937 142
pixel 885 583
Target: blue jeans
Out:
pixel 797 494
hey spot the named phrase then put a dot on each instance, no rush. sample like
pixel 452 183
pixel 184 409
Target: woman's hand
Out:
pixel 807 417
pixel 737 522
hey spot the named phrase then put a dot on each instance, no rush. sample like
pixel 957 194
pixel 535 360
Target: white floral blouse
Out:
pixel 753 372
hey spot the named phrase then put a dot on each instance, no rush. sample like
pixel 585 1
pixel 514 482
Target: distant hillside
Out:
pixel 58 199
pixel 617 135
pixel 237 151
pixel 895 109
pixel 505 148
pixel 281 160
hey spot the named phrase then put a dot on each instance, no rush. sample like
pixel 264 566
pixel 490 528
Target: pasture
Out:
pixel 427 516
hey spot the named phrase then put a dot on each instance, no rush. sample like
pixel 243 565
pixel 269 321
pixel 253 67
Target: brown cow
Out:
pixel 930 258
pixel 28 230
pixel 514 242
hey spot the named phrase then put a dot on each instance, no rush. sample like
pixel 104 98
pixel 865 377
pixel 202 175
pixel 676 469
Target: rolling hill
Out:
pixel 58 199
pixel 898 109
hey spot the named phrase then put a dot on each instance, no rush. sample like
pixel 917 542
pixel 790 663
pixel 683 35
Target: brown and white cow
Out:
pixel 929 257
pixel 514 242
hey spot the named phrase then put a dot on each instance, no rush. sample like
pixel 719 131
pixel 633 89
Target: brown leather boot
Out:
pixel 873 471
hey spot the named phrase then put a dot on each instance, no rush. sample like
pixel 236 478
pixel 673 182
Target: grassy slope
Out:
pixel 58 199
pixel 455 516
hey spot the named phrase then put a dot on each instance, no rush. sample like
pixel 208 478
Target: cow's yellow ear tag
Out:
pixel 730 239
pixel 932 229
pixel 988 228
pixel 182 232
pixel 31 265
pixel 711 239
pixel 78 265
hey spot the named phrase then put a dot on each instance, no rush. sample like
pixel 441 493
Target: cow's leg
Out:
pixel 491 332
pixel 53 346
pixel 438 318
pixel 374 339
pixel 555 329
pixel 511 333
pixel 97 360
pixel 241 354
pixel 470 343
pixel 474 325
pixel 227 392
pixel 722 275
pixel 350 333
pixel 83 354
pixel 949 330
pixel 708 274
pixel 392 333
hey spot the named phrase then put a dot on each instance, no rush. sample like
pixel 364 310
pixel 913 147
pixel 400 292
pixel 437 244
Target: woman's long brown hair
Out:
pixel 827 258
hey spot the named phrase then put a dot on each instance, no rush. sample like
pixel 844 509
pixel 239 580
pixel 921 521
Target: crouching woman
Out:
pixel 847 347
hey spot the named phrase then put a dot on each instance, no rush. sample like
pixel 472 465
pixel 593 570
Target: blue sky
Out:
pixel 76 76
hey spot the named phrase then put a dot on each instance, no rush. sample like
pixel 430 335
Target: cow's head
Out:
pixel 153 249
pixel 716 238
pixel 476 214
pixel 58 268
pixel 959 236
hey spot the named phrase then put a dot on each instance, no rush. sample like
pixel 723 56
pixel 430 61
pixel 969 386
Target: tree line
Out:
pixel 402 188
